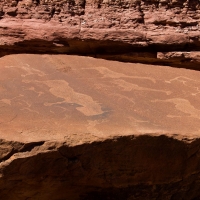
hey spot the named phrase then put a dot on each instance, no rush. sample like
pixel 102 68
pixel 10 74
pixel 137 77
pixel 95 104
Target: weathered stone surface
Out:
pixel 83 128
pixel 102 28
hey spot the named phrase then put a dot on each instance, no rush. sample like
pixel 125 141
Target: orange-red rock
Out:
pixel 83 128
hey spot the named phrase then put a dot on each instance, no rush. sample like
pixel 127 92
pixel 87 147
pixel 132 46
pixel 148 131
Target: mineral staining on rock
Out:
pixel 82 128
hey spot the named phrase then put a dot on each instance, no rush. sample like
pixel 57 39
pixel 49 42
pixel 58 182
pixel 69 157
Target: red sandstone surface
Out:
pixel 82 128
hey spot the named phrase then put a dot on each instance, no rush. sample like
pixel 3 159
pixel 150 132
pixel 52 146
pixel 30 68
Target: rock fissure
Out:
pixel 8 149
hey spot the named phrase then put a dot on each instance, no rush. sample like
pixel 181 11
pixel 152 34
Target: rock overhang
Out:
pixel 131 31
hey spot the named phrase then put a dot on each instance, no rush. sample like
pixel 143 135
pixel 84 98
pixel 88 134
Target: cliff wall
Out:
pixel 158 32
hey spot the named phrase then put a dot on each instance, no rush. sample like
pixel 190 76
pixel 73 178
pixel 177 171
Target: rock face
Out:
pixel 83 128
pixel 80 128
pixel 151 31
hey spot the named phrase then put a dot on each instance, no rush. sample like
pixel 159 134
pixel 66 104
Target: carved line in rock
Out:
pixel 187 82
pixel 107 73
pixel 129 87
pixel 184 106
pixel 28 70
pixel 86 104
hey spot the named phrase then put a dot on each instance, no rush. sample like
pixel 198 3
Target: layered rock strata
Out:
pixel 80 128
pixel 127 30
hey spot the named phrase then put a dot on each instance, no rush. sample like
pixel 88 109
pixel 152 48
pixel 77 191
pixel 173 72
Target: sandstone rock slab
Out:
pixel 83 128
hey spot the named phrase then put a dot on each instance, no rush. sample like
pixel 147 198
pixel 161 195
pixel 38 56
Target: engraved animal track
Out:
pixel 34 90
pixel 29 70
pixel 182 79
pixel 193 84
pixel 61 89
pixel 129 86
pixel 107 73
pixel 184 106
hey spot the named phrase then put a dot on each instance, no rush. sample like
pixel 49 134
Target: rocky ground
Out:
pixel 82 128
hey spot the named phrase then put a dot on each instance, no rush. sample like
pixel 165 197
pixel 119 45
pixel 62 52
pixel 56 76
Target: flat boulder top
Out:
pixel 56 97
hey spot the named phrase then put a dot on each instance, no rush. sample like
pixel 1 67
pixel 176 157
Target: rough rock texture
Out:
pixel 150 31
pixel 80 128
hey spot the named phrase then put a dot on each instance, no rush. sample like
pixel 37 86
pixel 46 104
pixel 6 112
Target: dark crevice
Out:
pixel 110 50
pixel 12 152
pixel 24 148
pixel 78 46
pixel 31 146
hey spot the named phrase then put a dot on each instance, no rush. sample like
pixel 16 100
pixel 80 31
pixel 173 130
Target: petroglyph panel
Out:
pixel 55 96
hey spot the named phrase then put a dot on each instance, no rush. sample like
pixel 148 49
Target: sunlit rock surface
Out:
pixel 83 128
